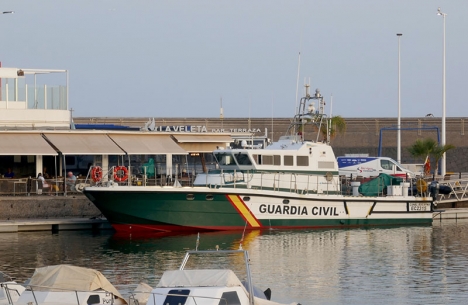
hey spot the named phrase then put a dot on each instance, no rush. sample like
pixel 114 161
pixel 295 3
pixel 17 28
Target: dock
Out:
pixel 53 225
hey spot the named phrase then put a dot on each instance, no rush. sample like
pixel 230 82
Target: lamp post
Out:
pixel 442 160
pixel 399 105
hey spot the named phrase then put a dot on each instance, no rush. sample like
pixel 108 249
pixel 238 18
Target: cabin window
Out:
pixel 243 159
pixel 302 160
pixel 267 160
pixel 276 160
pixel 229 297
pixel 271 160
pixel 286 201
pixel 246 199
pixel 177 297
pixel 209 197
pixel 288 161
pixel 190 197
pixel 257 159
pixel 225 159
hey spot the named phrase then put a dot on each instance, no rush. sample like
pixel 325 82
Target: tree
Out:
pixel 438 151
pixel 429 147
pixel 422 147
pixel 336 125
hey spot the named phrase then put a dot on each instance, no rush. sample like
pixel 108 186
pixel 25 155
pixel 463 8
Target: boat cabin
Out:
pixel 284 155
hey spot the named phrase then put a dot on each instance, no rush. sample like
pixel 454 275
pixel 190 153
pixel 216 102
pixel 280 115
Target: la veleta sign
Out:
pixel 151 126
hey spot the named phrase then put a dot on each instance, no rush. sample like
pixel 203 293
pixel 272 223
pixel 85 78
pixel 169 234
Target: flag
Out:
pixel 427 166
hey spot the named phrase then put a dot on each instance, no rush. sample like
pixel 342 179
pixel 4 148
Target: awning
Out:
pixel 83 144
pixel 147 144
pixel 25 144
pixel 202 143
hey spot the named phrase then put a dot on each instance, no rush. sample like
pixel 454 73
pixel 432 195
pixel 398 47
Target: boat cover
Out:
pixel 69 277
pixel 199 278
pixel 206 278
pixel 377 185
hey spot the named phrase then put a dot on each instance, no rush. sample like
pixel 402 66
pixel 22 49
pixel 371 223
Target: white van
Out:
pixel 371 167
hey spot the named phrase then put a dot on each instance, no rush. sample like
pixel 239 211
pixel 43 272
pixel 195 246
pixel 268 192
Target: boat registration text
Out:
pixel 419 206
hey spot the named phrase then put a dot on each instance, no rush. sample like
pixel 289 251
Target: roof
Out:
pixel 25 144
pixel 147 144
pixel 73 143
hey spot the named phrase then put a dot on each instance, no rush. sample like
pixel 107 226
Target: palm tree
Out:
pixel 429 147
pixel 422 148
pixel 336 125
pixel 438 152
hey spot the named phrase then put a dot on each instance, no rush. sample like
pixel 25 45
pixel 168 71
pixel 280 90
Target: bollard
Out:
pixel 355 185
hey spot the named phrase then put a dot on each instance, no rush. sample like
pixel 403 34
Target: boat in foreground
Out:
pixel 208 286
pixel 293 183
pixel 69 285
pixel 10 290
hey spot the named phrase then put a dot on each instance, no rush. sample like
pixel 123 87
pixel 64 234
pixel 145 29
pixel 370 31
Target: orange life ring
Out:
pixel 120 173
pixel 96 173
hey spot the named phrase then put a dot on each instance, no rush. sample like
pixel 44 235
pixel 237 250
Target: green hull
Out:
pixel 133 210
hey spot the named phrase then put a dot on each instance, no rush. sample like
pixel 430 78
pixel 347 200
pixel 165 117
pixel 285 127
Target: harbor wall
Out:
pixel 46 207
pixel 362 135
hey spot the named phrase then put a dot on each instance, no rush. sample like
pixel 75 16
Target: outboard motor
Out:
pixel 434 189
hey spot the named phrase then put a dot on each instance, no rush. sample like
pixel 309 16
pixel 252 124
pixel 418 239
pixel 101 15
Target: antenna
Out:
pixel 221 112
pixel 297 79
pixel 330 120
pixel 272 99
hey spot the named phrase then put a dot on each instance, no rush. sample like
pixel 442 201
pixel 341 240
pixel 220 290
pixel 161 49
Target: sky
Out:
pixel 179 58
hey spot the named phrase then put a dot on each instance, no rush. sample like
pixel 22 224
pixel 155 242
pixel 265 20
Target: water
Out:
pixel 404 265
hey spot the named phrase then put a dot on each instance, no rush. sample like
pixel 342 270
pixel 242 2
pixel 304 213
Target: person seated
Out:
pixel 71 181
pixel 9 174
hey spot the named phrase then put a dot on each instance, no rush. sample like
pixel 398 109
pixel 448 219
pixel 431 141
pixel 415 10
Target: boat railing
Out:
pixel 196 299
pixel 10 288
pixel 93 297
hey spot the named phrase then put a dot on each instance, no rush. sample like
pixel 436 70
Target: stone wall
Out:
pixel 44 207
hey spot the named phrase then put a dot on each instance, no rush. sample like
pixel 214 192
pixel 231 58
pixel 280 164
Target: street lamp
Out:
pixel 442 160
pixel 8 12
pixel 399 105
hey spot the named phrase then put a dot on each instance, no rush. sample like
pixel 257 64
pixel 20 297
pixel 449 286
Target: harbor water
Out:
pixel 399 265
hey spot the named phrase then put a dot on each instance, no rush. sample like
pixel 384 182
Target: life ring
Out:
pixel 421 186
pixel 120 173
pixel 96 173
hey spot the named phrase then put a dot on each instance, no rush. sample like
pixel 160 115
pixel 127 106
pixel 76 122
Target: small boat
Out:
pixel 69 285
pixel 208 286
pixel 293 183
pixel 10 290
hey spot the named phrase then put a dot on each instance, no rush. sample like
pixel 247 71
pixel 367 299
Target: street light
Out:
pixel 8 12
pixel 399 105
pixel 442 160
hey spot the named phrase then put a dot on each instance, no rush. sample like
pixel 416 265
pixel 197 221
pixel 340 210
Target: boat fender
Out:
pixel 80 187
pixel 120 173
pixel 96 173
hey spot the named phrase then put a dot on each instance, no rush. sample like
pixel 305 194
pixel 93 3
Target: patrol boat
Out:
pixel 293 183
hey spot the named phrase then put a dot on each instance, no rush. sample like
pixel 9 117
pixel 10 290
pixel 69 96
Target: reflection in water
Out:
pixel 406 265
